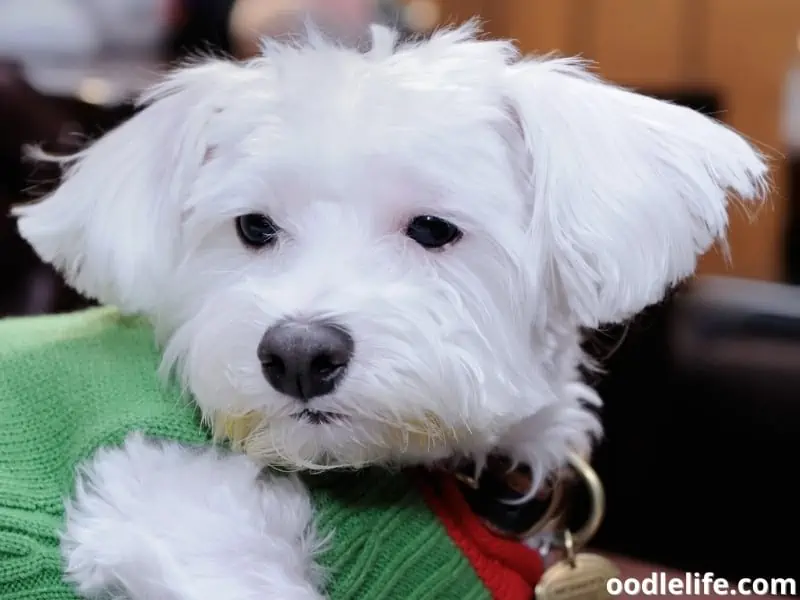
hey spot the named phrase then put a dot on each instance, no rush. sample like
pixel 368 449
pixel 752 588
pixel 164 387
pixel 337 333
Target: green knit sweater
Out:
pixel 71 384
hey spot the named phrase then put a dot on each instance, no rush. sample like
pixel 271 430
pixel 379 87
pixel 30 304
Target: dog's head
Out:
pixel 386 256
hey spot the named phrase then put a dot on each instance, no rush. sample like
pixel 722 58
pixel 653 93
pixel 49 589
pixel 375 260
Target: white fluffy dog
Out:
pixel 388 256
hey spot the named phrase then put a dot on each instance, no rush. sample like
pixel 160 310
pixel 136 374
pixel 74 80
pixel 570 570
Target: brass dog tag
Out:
pixel 581 576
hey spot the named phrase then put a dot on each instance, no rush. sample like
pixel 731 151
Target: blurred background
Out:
pixel 702 392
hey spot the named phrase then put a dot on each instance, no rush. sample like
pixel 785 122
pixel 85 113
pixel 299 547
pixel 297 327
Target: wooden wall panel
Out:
pixel 636 42
pixel 539 26
pixel 458 11
pixel 750 46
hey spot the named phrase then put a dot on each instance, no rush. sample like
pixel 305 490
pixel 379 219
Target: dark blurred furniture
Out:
pixel 702 423
pixel 58 125
pixel 792 231
pixel 203 28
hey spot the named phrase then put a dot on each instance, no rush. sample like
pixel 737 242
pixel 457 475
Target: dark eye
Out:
pixel 432 232
pixel 256 230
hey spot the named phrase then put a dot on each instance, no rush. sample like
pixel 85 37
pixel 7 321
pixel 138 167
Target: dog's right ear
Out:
pixel 112 227
pixel 625 191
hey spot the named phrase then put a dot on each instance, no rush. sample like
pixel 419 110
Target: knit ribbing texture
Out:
pixel 70 384
pixel 388 545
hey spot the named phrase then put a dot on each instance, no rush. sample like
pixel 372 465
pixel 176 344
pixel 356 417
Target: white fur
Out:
pixel 580 203
pixel 159 521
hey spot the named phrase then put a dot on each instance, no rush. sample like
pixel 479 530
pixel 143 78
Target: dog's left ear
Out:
pixel 626 191
pixel 113 225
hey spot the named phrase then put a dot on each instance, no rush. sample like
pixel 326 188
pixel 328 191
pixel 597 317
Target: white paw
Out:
pixel 163 521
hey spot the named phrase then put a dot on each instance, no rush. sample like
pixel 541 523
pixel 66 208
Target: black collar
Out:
pixel 495 496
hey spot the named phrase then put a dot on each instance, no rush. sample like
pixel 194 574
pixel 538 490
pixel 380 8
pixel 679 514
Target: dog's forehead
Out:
pixel 401 88
pixel 453 68
pixel 417 97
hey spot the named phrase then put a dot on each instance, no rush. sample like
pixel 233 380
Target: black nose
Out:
pixel 305 360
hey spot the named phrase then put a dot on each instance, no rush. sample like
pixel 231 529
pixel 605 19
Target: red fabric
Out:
pixel 509 569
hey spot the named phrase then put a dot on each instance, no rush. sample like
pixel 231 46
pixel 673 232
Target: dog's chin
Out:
pixel 317 440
